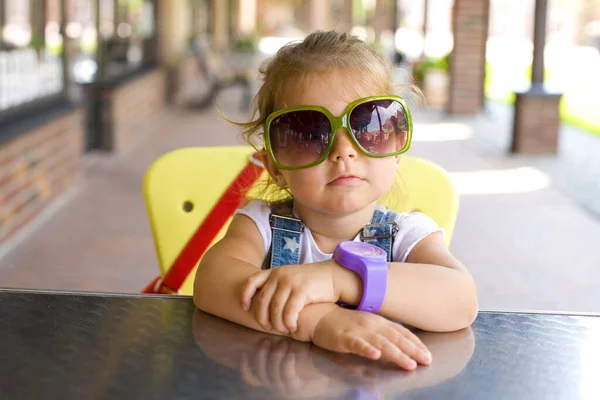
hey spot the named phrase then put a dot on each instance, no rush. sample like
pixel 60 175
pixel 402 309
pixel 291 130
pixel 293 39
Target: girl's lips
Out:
pixel 346 180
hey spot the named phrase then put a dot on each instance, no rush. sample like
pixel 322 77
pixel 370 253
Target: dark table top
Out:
pixel 102 346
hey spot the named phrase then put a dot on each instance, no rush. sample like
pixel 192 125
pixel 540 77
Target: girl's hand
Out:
pixel 371 336
pixel 284 291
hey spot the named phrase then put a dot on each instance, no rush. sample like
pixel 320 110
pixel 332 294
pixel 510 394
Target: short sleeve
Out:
pixel 259 211
pixel 411 229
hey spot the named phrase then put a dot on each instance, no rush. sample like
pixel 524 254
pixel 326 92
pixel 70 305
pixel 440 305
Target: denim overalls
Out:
pixel 287 231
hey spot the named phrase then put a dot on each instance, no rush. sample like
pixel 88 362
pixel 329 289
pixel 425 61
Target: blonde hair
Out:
pixel 321 52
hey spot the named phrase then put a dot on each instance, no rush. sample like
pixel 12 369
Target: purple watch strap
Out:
pixel 370 263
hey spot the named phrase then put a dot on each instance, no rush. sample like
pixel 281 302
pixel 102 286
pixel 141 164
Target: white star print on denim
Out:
pixel 291 244
pixel 411 229
pixel 370 232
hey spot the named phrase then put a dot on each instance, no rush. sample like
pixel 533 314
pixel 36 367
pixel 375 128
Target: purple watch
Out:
pixel 370 263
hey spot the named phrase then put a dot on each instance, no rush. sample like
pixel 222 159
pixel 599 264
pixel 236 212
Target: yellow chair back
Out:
pixel 196 177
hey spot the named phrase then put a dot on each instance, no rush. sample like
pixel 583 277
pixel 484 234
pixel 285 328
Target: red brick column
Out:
pixel 536 122
pixel 537 111
pixel 467 63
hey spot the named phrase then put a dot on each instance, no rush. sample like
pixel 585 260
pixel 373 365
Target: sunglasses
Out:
pixel 302 136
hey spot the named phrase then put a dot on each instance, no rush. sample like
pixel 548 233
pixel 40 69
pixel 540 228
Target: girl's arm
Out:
pixel 432 290
pixel 225 267
pixel 236 257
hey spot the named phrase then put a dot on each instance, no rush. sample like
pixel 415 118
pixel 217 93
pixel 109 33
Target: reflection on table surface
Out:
pixel 122 347
pixel 302 370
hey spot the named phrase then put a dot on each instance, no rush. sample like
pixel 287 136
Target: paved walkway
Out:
pixel 575 170
pixel 528 244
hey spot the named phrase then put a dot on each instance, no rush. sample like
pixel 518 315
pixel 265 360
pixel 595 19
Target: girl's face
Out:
pixel 347 181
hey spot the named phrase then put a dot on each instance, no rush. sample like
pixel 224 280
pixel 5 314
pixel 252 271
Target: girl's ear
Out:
pixel 272 169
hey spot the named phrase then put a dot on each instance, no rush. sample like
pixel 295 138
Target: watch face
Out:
pixel 363 249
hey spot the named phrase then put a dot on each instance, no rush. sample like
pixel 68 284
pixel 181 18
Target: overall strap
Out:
pixel 382 229
pixel 286 233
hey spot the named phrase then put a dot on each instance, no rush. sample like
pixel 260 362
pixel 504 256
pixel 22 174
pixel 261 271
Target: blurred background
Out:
pixel 92 91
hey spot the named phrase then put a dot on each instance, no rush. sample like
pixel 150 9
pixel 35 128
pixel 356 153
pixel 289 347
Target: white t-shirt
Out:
pixel 411 229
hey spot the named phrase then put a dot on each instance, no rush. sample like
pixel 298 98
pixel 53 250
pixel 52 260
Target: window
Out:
pixel 31 62
pixel 116 39
pixel 129 44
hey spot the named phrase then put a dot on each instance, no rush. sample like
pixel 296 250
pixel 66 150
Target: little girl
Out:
pixel 333 133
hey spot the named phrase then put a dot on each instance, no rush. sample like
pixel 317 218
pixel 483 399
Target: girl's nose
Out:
pixel 343 147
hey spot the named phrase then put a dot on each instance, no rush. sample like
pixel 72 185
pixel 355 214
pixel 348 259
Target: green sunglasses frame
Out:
pixel 336 123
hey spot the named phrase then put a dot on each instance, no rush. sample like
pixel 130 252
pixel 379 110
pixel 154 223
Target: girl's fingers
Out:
pixel 408 347
pixel 391 352
pixel 361 347
pixel 411 336
pixel 261 308
pixel 278 303
pixel 250 287
pixel 414 339
pixel 294 305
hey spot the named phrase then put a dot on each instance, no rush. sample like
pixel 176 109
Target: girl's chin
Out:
pixel 338 204
pixel 342 208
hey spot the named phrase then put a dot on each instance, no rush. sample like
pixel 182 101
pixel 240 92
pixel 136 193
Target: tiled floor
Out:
pixel 527 245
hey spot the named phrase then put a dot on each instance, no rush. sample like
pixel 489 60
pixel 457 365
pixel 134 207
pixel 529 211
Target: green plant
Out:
pixel 88 46
pixel 421 67
pixel 245 44
pixel 35 42
pixel 581 110
pixel 55 48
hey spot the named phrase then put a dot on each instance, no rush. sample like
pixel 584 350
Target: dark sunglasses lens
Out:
pixel 299 138
pixel 380 126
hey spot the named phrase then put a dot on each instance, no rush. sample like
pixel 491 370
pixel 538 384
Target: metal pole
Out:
pixel 37 18
pixel 425 19
pixel 65 44
pixel 539 42
pixel 100 62
pixel 116 17
pixel 395 22
pixel 348 15
pixel 2 18
pixel 42 28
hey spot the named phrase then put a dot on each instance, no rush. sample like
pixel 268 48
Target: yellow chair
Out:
pixel 182 186
pixel 426 187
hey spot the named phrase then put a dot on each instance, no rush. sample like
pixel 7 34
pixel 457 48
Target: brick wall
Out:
pixel 467 64
pixel 536 123
pixel 133 105
pixel 37 167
